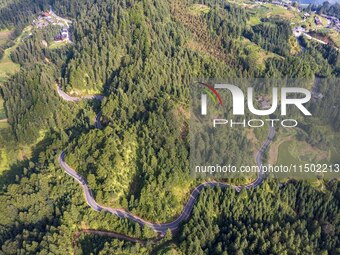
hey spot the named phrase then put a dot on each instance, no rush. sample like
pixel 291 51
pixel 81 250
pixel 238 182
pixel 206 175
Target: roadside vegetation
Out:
pixel 142 56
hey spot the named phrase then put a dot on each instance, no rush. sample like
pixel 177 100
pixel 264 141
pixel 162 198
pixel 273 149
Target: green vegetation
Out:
pixel 198 9
pixel 272 36
pixel 295 48
pixel 292 224
pixel 4 161
pixel 2 109
pixel 111 171
pixel 278 221
pixel 5 3
pixel 334 36
pixel 288 154
pixel 142 55
pixel 309 22
pixel 321 147
pixel 255 55
pixel 56 45
pixel 4 36
pixel 329 9
pixel 7 66
pixel 259 12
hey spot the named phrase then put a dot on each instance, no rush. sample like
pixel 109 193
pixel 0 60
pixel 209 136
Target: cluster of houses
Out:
pixel 306 15
pixel 298 31
pixel 47 18
pixel 64 35
pixel 50 18
pixel 317 21
pixel 333 22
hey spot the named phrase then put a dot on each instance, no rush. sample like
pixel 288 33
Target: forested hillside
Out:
pixel 306 222
pixel 329 9
pixel 142 55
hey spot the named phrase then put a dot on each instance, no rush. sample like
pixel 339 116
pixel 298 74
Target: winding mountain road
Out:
pixel 68 98
pixel 159 228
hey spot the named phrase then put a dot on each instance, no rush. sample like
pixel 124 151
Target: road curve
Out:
pixel 163 227
pixel 68 98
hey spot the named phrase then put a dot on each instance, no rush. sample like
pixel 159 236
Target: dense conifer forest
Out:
pixel 142 55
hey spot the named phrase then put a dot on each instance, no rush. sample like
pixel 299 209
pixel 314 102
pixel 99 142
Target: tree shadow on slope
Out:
pixel 53 143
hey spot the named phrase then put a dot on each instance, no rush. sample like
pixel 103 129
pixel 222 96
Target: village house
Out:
pixel 317 21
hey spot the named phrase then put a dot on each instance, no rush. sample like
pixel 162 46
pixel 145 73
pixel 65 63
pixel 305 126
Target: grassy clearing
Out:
pixel 297 152
pixel 4 125
pixel 255 143
pixel 243 3
pixel 12 153
pixel 323 20
pixel 198 9
pixel 309 23
pixel 57 45
pixel 269 10
pixel 7 66
pixel 281 12
pixel 83 92
pixel 288 150
pixel 4 36
pixel 273 152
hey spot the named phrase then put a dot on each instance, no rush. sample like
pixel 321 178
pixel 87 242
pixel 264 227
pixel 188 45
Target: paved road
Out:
pixel 313 38
pixel 97 123
pixel 68 98
pixel 160 228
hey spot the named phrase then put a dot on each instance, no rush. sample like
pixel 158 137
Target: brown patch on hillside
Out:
pixel 323 38
pixel 4 36
pixel 202 40
pixel 253 140
pixel 182 115
pixel 183 112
